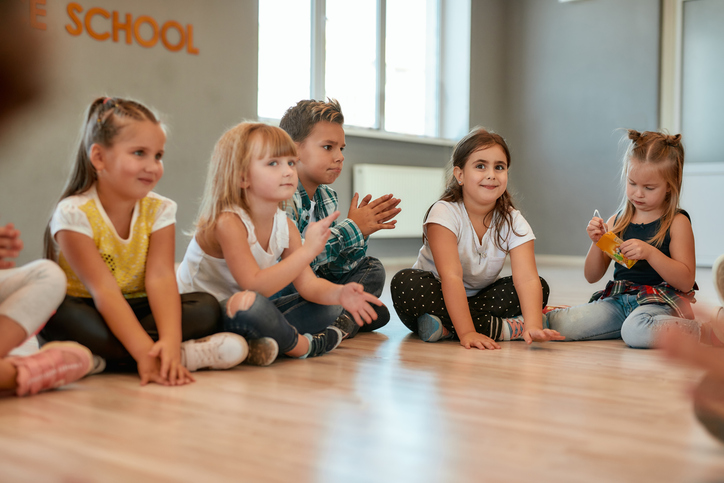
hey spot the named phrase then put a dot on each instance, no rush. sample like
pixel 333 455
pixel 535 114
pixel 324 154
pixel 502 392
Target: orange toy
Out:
pixel 609 244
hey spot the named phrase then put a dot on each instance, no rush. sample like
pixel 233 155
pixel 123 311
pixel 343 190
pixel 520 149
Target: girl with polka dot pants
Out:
pixel 453 290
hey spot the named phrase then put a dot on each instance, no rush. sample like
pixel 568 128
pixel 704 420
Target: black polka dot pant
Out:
pixel 416 292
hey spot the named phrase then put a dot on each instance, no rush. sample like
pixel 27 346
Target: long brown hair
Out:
pixel 666 153
pixel 477 139
pixel 104 120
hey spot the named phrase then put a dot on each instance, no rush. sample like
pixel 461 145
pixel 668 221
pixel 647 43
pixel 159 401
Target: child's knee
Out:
pixel 51 277
pixel 639 333
pixel 240 301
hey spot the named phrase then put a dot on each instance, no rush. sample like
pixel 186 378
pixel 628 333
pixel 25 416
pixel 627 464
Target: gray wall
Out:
pixel 555 79
pixel 574 74
pixel 702 103
pixel 198 96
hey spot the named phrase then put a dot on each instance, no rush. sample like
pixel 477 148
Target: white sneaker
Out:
pixel 219 351
pixel 99 365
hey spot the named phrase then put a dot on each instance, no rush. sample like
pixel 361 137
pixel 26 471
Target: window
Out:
pixel 379 58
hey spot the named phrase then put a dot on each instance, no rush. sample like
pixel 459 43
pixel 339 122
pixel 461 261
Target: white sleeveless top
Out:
pixel 200 272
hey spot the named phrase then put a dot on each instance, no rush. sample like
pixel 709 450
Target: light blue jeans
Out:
pixel 616 317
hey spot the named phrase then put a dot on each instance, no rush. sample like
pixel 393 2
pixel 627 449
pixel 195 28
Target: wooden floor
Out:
pixel 384 407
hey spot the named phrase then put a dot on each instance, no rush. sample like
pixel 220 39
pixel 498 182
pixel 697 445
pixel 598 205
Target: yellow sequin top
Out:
pixel 126 259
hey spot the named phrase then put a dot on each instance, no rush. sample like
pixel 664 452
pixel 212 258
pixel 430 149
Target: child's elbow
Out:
pixel 591 277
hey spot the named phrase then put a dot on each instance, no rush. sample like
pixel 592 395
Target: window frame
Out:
pixel 318 74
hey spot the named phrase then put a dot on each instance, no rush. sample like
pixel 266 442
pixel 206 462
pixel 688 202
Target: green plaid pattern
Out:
pixel 345 247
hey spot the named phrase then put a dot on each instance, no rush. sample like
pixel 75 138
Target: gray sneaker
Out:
pixel 348 326
pixel 262 352
pixel 324 341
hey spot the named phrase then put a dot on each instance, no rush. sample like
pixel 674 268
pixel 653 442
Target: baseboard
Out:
pixel 560 260
pixel 398 261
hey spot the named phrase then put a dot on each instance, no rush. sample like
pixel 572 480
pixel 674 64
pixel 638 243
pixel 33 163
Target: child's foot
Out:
pixel 348 326
pixel 262 352
pixel 56 364
pixel 323 342
pixel 219 351
pixel 430 328
pixel 512 327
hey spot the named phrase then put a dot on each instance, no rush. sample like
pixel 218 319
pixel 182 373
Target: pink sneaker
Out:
pixel 56 364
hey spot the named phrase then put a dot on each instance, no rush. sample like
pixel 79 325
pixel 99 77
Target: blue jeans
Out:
pixel 369 273
pixel 282 318
pixel 619 316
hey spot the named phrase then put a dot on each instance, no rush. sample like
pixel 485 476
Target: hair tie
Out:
pixel 673 141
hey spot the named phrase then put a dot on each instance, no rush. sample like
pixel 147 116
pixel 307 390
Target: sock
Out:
pixel 512 328
pixel 309 349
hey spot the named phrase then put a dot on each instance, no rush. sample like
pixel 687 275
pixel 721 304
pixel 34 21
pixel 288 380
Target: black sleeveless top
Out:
pixel 642 273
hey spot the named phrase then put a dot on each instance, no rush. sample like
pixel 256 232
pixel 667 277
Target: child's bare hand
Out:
pixel 171 369
pixel 370 216
pixel 10 245
pixel 149 369
pixel 317 234
pixel 357 302
pixel 634 249
pixel 541 335
pixel 596 229
pixel 684 347
pixel 477 340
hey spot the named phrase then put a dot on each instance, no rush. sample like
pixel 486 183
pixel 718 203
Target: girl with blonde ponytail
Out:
pixel 655 294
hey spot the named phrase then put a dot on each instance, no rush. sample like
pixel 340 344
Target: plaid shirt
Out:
pixel 662 293
pixel 346 246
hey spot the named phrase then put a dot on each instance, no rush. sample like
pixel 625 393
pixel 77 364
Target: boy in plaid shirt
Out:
pixel 316 129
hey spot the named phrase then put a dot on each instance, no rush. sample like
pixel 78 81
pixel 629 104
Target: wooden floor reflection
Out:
pixel 383 407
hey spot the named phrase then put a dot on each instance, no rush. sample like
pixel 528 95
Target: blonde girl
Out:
pixel 245 250
pixel 114 239
pixel 453 290
pixel 645 300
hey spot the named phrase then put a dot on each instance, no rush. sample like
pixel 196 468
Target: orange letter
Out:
pixel 126 27
pixel 190 44
pixel 182 40
pixel 36 12
pixel 89 17
pixel 137 26
pixel 72 9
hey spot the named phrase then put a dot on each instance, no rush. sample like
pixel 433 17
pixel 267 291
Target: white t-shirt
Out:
pixel 125 258
pixel 481 262
pixel 200 272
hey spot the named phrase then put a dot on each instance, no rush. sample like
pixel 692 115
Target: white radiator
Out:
pixel 702 196
pixel 417 187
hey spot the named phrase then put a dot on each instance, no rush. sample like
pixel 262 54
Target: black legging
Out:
pixel 77 319
pixel 416 292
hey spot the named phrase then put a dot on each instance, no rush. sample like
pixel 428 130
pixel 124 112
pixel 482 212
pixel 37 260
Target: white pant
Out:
pixel 30 294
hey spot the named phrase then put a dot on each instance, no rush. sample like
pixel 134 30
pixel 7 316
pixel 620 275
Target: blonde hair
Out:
pixel 105 118
pixel 230 164
pixel 666 153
